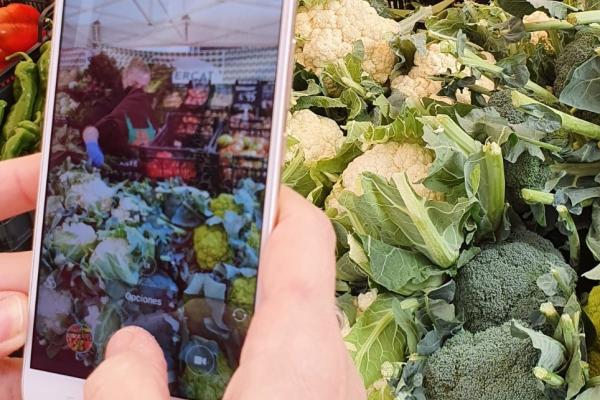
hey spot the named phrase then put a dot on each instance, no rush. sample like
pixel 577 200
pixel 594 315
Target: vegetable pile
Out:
pixel 161 255
pixel 454 146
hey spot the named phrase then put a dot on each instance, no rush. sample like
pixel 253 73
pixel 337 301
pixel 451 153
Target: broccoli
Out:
pixel 528 172
pixel 211 246
pixel 207 385
pixel 501 101
pixel 224 202
pixel 242 291
pixel 490 365
pixel 500 283
pixel 573 55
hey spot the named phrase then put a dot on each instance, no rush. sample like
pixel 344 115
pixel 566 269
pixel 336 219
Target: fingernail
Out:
pixel 11 317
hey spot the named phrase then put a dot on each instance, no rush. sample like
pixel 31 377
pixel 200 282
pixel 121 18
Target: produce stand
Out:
pixel 16 233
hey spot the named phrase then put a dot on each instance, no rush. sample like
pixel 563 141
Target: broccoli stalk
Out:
pixel 532 196
pixel 584 17
pixel 550 25
pixel 571 230
pixel 549 377
pixel 472 60
pixel 584 128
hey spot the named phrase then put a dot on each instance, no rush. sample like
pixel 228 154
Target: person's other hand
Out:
pixel 294 348
pixel 17 195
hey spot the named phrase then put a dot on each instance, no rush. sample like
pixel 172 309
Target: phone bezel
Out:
pixel 38 384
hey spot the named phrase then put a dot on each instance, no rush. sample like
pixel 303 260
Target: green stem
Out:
pixel 573 235
pixel 551 25
pixel 548 377
pixel 454 132
pixel 569 122
pixel 439 253
pixel 495 195
pixel 550 147
pixel 577 169
pixel 472 60
pixel 584 17
pixel 537 197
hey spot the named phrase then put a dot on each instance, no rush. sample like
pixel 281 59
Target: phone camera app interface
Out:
pixel 159 147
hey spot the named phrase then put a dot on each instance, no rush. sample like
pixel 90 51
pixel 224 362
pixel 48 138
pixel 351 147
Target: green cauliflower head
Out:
pixel 490 365
pixel 204 385
pixel 242 291
pixel 222 203
pixel 573 55
pixel 211 246
pixel 528 172
pixel 253 238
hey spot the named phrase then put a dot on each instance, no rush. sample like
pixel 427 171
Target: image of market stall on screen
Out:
pixel 159 155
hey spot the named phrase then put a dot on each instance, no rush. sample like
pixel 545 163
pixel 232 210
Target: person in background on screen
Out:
pixel 130 123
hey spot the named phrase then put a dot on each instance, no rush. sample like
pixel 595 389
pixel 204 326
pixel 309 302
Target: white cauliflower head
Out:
pixel 418 84
pixel 386 160
pixel 318 137
pixel 538 36
pixel 329 31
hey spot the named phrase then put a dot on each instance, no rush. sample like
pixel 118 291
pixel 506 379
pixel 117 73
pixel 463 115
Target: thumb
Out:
pixel 134 368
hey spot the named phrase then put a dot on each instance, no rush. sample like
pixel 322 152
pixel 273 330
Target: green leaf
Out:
pixel 552 353
pixel 401 271
pixel 396 215
pixel 583 89
pixel 374 339
pixel 592 393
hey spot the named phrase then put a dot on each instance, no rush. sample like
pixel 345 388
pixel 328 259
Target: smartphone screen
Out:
pixel 153 214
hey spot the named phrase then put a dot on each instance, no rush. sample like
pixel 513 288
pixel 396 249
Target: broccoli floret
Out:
pixel 224 202
pixel 528 172
pixel 501 101
pixel 211 246
pixel 201 385
pixel 500 283
pixel 573 55
pixel 242 291
pixel 490 365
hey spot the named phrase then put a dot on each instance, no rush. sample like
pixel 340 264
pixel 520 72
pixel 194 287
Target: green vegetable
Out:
pixel 112 260
pixel 491 365
pixel 503 281
pixel 527 172
pixel 43 65
pixel 501 100
pixel 242 291
pixel 25 87
pixel 211 246
pixel 253 238
pixel 201 385
pixel 573 55
pixel 74 240
pixel 222 203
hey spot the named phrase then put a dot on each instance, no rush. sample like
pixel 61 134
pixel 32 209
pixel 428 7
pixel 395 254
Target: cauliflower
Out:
pixel 418 83
pixel 318 137
pixel 211 246
pixel 364 300
pixel 112 260
pixel 74 240
pixel 242 291
pixel 386 160
pixel 592 309
pixel 224 202
pixel 90 193
pixel 328 32
pixel 538 36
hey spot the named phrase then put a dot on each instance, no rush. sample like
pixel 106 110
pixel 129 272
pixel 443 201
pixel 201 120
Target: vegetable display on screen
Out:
pixel 455 148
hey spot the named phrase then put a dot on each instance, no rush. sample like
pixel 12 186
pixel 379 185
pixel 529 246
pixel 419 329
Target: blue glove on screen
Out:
pixel 94 153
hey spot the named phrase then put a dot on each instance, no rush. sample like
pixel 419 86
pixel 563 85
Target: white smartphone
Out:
pixel 163 139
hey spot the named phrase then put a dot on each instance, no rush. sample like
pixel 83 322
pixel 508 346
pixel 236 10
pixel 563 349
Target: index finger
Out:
pixel 298 263
pixel 18 185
